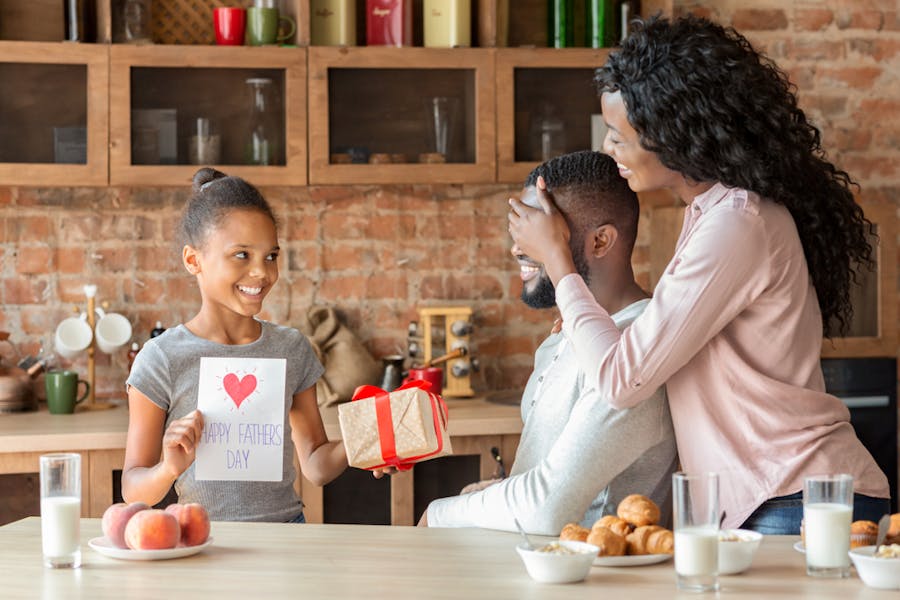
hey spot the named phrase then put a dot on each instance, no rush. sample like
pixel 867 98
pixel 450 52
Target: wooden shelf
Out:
pixel 336 99
pixel 226 99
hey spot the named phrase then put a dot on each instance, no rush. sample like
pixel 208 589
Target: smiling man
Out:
pixel 577 457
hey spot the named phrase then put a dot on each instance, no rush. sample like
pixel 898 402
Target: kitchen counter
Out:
pixel 476 426
pixel 268 560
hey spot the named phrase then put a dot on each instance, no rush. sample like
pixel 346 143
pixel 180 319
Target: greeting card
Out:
pixel 242 401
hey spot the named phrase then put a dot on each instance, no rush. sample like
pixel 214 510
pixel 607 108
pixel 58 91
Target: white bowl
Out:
pixel 559 568
pixel 881 573
pixel 736 555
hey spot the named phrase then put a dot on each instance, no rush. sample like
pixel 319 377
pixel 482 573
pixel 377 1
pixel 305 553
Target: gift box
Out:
pixel 394 429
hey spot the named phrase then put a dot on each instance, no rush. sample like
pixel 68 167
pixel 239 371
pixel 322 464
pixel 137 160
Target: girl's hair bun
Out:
pixel 204 176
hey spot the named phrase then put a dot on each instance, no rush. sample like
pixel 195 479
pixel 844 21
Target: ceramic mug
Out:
pixel 112 332
pixel 73 335
pixel 229 24
pixel 433 375
pixel 262 26
pixel 62 391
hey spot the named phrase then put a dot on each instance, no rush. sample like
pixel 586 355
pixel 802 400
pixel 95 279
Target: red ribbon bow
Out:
pixel 386 422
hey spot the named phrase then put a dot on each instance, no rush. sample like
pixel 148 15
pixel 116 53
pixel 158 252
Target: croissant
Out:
pixel 638 510
pixel 609 542
pixel 574 532
pixel 650 539
pixel 614 524
pixel 893 534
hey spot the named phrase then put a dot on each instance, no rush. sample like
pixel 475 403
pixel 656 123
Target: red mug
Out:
pixel 229 24
pixel 433 375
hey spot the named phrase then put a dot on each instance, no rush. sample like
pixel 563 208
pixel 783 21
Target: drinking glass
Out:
pixel 61 510
pixel 204 145
pixel 827 514
pixel 440 117
pixel 696 506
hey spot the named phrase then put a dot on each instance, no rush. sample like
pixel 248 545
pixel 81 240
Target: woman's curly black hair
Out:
pixel 714 109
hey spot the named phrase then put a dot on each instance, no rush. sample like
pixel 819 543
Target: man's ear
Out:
pixel 190 258
pixel 602 240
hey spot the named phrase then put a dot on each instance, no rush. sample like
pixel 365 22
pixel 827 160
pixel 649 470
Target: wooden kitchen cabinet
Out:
pixel 545 99
pixel 53 113
pixel 873 329
pixel 371 121
pixel 210 82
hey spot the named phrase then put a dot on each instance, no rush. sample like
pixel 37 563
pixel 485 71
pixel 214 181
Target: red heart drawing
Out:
pixel 239 389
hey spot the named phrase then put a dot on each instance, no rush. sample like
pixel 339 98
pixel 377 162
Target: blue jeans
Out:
pixel 782 515
pixel 298 519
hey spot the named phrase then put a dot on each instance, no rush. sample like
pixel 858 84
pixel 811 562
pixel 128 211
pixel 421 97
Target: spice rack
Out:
pixel 456 322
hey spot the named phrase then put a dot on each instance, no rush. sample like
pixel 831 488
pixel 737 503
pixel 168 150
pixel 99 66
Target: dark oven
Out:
pixel 868 386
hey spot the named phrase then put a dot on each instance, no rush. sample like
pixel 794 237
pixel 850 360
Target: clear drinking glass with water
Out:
pixel 827 514
pixel 696 513
pixel 61 510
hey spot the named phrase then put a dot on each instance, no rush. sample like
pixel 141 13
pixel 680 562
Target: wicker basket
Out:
pixel 186 21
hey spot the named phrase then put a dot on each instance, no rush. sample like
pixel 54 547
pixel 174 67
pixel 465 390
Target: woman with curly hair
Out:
pixel 771 240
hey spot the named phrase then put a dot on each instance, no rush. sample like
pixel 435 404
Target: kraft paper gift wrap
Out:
pixel 397 429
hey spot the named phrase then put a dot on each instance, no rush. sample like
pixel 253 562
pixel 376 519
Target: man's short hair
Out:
pixel 589 192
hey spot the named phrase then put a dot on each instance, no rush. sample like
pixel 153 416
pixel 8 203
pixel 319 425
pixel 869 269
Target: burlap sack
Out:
pixel 347 362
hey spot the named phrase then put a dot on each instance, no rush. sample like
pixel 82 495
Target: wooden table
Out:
pixel 475 426
pixel 262 560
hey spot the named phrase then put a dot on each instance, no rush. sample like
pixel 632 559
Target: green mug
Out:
pixel 262 26
pixel 62 388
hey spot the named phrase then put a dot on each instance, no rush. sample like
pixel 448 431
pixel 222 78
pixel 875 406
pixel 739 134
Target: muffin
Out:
pixel 863 533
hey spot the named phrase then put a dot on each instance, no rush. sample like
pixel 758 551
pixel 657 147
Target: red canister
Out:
pixel 389 23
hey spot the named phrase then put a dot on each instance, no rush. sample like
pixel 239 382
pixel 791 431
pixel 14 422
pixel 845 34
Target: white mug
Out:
pixel 73 335
pixel 113 331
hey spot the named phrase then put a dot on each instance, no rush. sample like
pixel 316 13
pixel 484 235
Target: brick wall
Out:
pixel 378 252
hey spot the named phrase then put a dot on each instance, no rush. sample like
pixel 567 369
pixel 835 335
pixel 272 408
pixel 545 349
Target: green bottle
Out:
pixel 600 23
pixel 560 23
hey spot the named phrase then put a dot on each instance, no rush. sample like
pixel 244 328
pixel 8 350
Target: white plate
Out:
pixel 799 547
pixel 630 561
pixel 104 547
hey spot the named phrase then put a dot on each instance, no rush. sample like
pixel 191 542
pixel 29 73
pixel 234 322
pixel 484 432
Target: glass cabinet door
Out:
pixel 175 109
pixel 401 115
pixel 545 102
pixel 53 114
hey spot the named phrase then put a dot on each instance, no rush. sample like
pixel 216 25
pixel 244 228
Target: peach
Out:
pixel 193 520
pixel 152 529
pixel 116 517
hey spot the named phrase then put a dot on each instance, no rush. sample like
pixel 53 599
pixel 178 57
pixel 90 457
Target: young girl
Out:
pixel 231 247
pixel 765 257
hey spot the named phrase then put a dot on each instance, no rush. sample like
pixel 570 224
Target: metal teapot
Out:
pixel 16 384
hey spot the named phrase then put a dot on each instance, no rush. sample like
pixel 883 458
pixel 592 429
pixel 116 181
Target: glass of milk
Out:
pixel 827 514
pixel 696 514
pixel 61 510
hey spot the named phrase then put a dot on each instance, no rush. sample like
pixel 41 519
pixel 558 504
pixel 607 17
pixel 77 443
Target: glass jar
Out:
pixel 204 144
pixel 548 134
pixel 262 131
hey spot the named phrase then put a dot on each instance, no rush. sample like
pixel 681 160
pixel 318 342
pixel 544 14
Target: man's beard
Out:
pixel 544 294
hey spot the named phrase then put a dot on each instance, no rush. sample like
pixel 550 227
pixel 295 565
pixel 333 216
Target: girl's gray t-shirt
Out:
pixel 167 371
